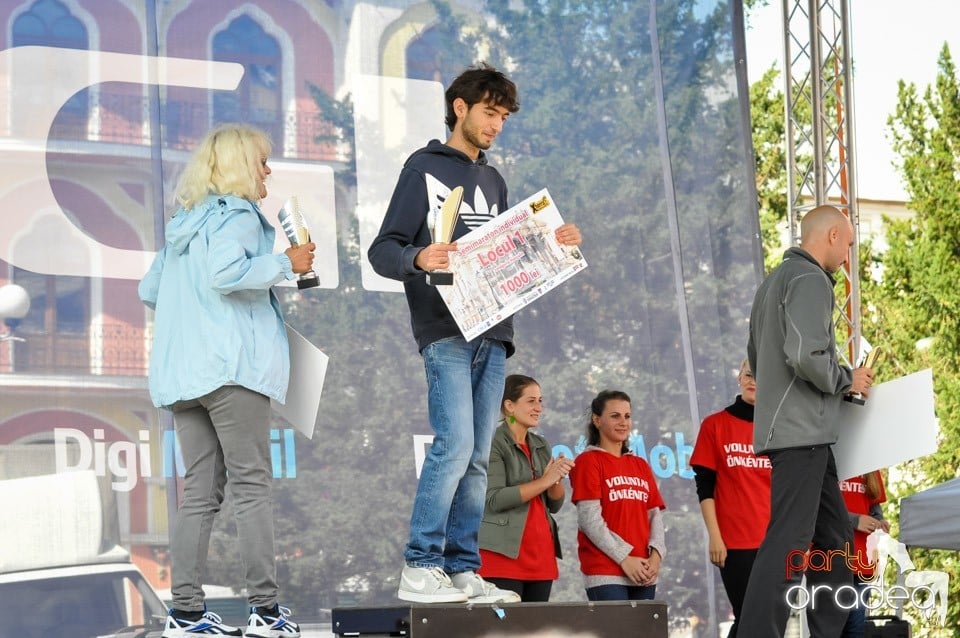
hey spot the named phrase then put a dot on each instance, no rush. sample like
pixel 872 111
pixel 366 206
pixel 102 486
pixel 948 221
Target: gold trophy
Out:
pixel 441 224
pixel 873 358
pixel 295 228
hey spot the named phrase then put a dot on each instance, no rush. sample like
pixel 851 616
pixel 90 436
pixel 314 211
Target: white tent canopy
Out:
pixel 931 518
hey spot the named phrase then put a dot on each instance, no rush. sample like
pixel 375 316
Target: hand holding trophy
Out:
pixel 295 228
pixel 873 357
pixel 441 224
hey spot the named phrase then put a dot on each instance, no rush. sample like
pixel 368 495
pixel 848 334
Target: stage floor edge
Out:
pixel 615 619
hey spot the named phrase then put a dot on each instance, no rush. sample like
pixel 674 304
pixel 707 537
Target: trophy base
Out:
pixel 309 281
pixel 439 278
pixel 854 398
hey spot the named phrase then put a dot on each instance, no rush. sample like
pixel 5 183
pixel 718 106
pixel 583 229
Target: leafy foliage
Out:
pixel 915 308
pixel 769 147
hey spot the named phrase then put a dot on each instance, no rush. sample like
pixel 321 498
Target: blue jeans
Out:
pixel 621 592
pixel 857 619
pixel 464 389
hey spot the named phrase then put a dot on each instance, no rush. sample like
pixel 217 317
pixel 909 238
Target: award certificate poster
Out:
pixel 507 263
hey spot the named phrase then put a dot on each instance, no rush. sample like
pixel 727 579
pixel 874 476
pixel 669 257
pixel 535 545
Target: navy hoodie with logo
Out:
pixel 426 180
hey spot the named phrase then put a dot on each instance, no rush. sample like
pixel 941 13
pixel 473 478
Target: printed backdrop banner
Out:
pixel 631 115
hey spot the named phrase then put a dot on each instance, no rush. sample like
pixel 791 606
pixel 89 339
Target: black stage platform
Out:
pixel 621 619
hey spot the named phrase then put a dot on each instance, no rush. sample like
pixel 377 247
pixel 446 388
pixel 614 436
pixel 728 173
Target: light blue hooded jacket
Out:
pixel 217 321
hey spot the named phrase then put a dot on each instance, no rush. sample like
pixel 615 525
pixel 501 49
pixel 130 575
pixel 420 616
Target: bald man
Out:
pixel 800 385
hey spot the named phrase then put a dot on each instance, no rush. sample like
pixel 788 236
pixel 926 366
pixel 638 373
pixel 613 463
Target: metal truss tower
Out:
pixel 820 133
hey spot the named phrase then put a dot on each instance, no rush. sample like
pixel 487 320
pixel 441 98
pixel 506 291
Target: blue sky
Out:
pixel 892 40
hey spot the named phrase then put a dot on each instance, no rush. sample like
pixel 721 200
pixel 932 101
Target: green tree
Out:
pixel 769 147
pixel 917 302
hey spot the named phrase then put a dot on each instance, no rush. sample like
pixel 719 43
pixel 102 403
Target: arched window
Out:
pixel 437 54
pixel 56 329
pixel 425 57
pixel 49 23
pixel 257 100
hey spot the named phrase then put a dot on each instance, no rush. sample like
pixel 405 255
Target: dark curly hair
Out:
pixel 481 83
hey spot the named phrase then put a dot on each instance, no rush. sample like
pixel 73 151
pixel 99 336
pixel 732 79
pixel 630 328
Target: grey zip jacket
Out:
pixel 793 354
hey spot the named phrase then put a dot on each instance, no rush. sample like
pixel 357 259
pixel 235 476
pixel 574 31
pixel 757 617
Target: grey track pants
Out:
pixel 224 433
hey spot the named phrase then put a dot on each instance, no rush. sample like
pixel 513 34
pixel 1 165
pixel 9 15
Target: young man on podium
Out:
pixel 464 379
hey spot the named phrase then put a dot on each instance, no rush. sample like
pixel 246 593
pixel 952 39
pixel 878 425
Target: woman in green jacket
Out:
pixel 519 545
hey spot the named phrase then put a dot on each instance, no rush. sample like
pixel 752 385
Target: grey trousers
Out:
pixel 805 506
pixel 224 434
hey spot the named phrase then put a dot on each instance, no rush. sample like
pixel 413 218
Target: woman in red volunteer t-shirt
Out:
pixel 733 485
pixel 862 495
pixel 621 537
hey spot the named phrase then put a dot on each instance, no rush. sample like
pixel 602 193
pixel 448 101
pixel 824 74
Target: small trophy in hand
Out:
pixel 873 358
pixel 295 228
pixel 441 224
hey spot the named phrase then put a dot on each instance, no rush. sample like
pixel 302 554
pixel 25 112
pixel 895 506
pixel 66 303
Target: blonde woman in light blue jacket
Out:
pixel 219 355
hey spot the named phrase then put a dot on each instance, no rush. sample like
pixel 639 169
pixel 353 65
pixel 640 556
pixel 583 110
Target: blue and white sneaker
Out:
pixel 271 623
pixel 210 624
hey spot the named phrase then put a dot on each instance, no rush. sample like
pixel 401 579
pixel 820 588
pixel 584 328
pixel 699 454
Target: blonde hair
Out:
pixel 226 162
